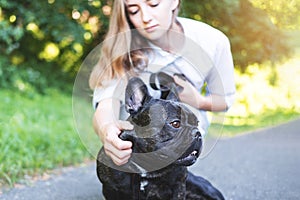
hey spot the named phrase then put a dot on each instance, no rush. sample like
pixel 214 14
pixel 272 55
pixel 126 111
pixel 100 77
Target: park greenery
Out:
pixel 43 43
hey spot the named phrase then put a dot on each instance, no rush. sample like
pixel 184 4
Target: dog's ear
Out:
pixel 172 95
pixel 166 84
pixel 136 95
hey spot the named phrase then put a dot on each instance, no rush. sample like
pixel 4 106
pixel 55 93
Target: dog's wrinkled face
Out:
pixel 163 129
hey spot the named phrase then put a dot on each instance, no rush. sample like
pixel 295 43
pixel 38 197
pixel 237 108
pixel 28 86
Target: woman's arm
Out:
pixel 108 127
pixel 192 97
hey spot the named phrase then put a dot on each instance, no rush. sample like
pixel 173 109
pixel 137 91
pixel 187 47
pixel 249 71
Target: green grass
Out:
pixel 236 126
pixel 36 134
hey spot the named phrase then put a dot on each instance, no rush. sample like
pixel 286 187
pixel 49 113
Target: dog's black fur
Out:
pixel 165 141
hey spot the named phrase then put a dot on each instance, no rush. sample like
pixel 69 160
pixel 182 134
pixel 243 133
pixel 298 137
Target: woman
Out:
pixel 158 41
pixel 157 27
pixel 146 36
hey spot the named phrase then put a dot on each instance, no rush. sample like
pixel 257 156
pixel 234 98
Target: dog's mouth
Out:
pixel 191 155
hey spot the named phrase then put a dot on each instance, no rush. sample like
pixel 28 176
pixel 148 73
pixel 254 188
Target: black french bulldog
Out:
pixel 165 141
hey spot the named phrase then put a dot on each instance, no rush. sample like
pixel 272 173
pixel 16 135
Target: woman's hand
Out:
pixel 189 94
pixel 108 128
pixel 118 150
pixel 192 97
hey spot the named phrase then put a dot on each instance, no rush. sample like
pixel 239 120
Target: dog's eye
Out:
pixel 175 124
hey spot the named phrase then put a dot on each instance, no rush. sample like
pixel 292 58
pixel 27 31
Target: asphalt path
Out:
pixel 259 165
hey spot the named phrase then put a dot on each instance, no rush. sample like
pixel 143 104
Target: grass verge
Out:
pixel 236 126
pixel 36 134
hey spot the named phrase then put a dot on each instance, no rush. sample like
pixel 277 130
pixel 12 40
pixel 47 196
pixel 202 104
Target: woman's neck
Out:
pixel 173 40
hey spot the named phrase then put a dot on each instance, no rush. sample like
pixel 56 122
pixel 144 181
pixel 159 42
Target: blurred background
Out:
pixel 43 43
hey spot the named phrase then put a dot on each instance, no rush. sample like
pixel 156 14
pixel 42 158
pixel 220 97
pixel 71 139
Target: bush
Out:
pixel 58 34
pixel 25 80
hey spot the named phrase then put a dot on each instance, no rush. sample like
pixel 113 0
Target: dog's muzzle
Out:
pixel 191 155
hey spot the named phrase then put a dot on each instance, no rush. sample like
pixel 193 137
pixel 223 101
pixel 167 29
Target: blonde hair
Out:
pixel 119 53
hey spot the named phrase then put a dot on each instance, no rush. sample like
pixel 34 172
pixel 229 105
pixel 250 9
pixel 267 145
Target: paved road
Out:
pixel 256 166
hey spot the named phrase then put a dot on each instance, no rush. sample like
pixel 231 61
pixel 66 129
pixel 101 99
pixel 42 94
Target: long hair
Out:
pixel 119 53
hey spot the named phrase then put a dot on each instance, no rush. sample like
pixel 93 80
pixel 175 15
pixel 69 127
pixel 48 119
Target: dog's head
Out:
pixel 165 131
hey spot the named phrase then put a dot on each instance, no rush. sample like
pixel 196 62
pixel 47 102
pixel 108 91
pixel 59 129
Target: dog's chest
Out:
pixel 168 186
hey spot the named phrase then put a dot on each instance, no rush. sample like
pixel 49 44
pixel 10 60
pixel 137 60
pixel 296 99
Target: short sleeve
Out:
pixel 114 89
pixel 220 80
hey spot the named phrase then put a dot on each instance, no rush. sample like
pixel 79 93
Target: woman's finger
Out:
pixel 180 81
pixel 118 161
pixel 124 125
pixel 119 157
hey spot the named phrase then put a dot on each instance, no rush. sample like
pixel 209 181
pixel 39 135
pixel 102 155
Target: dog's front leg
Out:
pixel 199 188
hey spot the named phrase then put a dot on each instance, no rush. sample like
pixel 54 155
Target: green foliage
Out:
pixel 284 14
pixel 49 34
pixel 58 34
pixel 254 38
pixel 10 36
pixel 36 134
pixel 30 77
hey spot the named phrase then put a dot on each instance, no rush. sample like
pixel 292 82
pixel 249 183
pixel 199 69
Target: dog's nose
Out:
pixel 196 133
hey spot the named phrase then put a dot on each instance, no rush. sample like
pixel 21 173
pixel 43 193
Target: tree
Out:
pixel 283 13
pixel 51 36
pixel 55 35
pixel 254 38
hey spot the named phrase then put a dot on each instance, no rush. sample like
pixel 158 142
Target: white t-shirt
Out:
pixel 205 58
